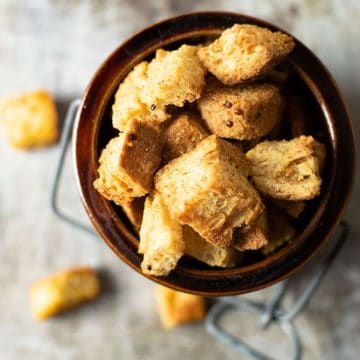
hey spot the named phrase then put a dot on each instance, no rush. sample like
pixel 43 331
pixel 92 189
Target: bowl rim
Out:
pixel 120 239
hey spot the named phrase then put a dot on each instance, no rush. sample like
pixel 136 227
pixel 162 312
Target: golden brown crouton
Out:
pixel 30 119
pixel 128 162
pixel 174 77
pixel 128 103
pixel 207 189
pixel 286 170
pixel 281 231
pixel 176 308
pixel 242 112
pixel 62 291
pixel 202 250
pixel 181 136
pixel 161 239
pixel 244 52
pixel 134 211
pixel 255 238
pixel 292 208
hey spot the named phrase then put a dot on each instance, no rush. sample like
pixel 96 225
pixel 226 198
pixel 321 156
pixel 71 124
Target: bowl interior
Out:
pixel 307 78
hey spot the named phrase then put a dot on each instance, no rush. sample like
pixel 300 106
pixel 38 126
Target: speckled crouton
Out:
pixel 161 239
pixel 128 163
pixel 287 170
pixel 255 238
pixel 208 190
pixel 174 77
pixel 128 103
pixel 62 291
pixel 202 250
pixel 176 308
pixel 30 119
pixel 244 52
pixel 281 231
pixel 134 211
pixel 181 136
pixel 242 112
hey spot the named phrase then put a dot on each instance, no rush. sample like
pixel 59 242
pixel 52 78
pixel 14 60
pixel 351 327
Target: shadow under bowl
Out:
pixel 330 124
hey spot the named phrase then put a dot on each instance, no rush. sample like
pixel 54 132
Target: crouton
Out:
pixel 161 239
pixel 207 189
pixel 200 249
pixel 62 291
pixel 244 52
pixel 292 208
pixel 128 162
pixel 174 77
pixel 255 238
pixel 242 112
pixel 287 170
pixel 128 103
pixel 30 119
pixel 281 231
pixel 134 211
pixel 181 136
pixel 176 308
pixel 320 153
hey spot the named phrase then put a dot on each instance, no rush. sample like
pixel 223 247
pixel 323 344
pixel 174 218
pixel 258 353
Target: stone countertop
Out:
pixel 58 45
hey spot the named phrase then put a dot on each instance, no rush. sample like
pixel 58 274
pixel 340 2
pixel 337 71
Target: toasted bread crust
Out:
pixel 161 239
pixel 30 119
pixel 202 250
pixel 181 136
pixel 134 211
pixel 244 52
pixel 128 162
pixel 243 112
pixel 207 189
pixel 286 170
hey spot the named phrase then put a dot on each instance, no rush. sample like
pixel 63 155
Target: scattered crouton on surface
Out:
pixel 244 52
pixel 128 162
pixel 242 112
pixel 62 291
pixel 30 119
pixel 181 136
pixel 202 250
pixel 208 190
pixel 287 170
pixel 161 239
pixel 176 308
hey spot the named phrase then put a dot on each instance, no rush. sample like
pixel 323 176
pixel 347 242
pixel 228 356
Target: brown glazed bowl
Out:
pixel 330 123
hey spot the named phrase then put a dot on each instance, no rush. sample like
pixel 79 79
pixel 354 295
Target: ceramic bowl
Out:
pixel 330 124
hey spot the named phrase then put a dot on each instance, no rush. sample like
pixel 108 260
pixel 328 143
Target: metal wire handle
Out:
pixel 269 312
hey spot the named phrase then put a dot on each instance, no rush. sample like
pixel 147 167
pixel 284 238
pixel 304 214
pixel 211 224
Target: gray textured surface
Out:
pixel 58 45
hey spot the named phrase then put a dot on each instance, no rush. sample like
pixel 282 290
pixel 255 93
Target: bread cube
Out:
pixel 242 112
pixel 30 119
pixel 292 208
pixel 128 162
pixel 281 231
pixel 244 52
pixel 62 291
pixel 176 308
pixel 202 250
pixel 208 190
pixel 254 238
pixel 181 136
pixel 287 170
pixel 128 103
pixel 134 211
pixel 174 78
pixel 161 239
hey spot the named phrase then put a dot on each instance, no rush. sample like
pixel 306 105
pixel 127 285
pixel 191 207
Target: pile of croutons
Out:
pixel 191 166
